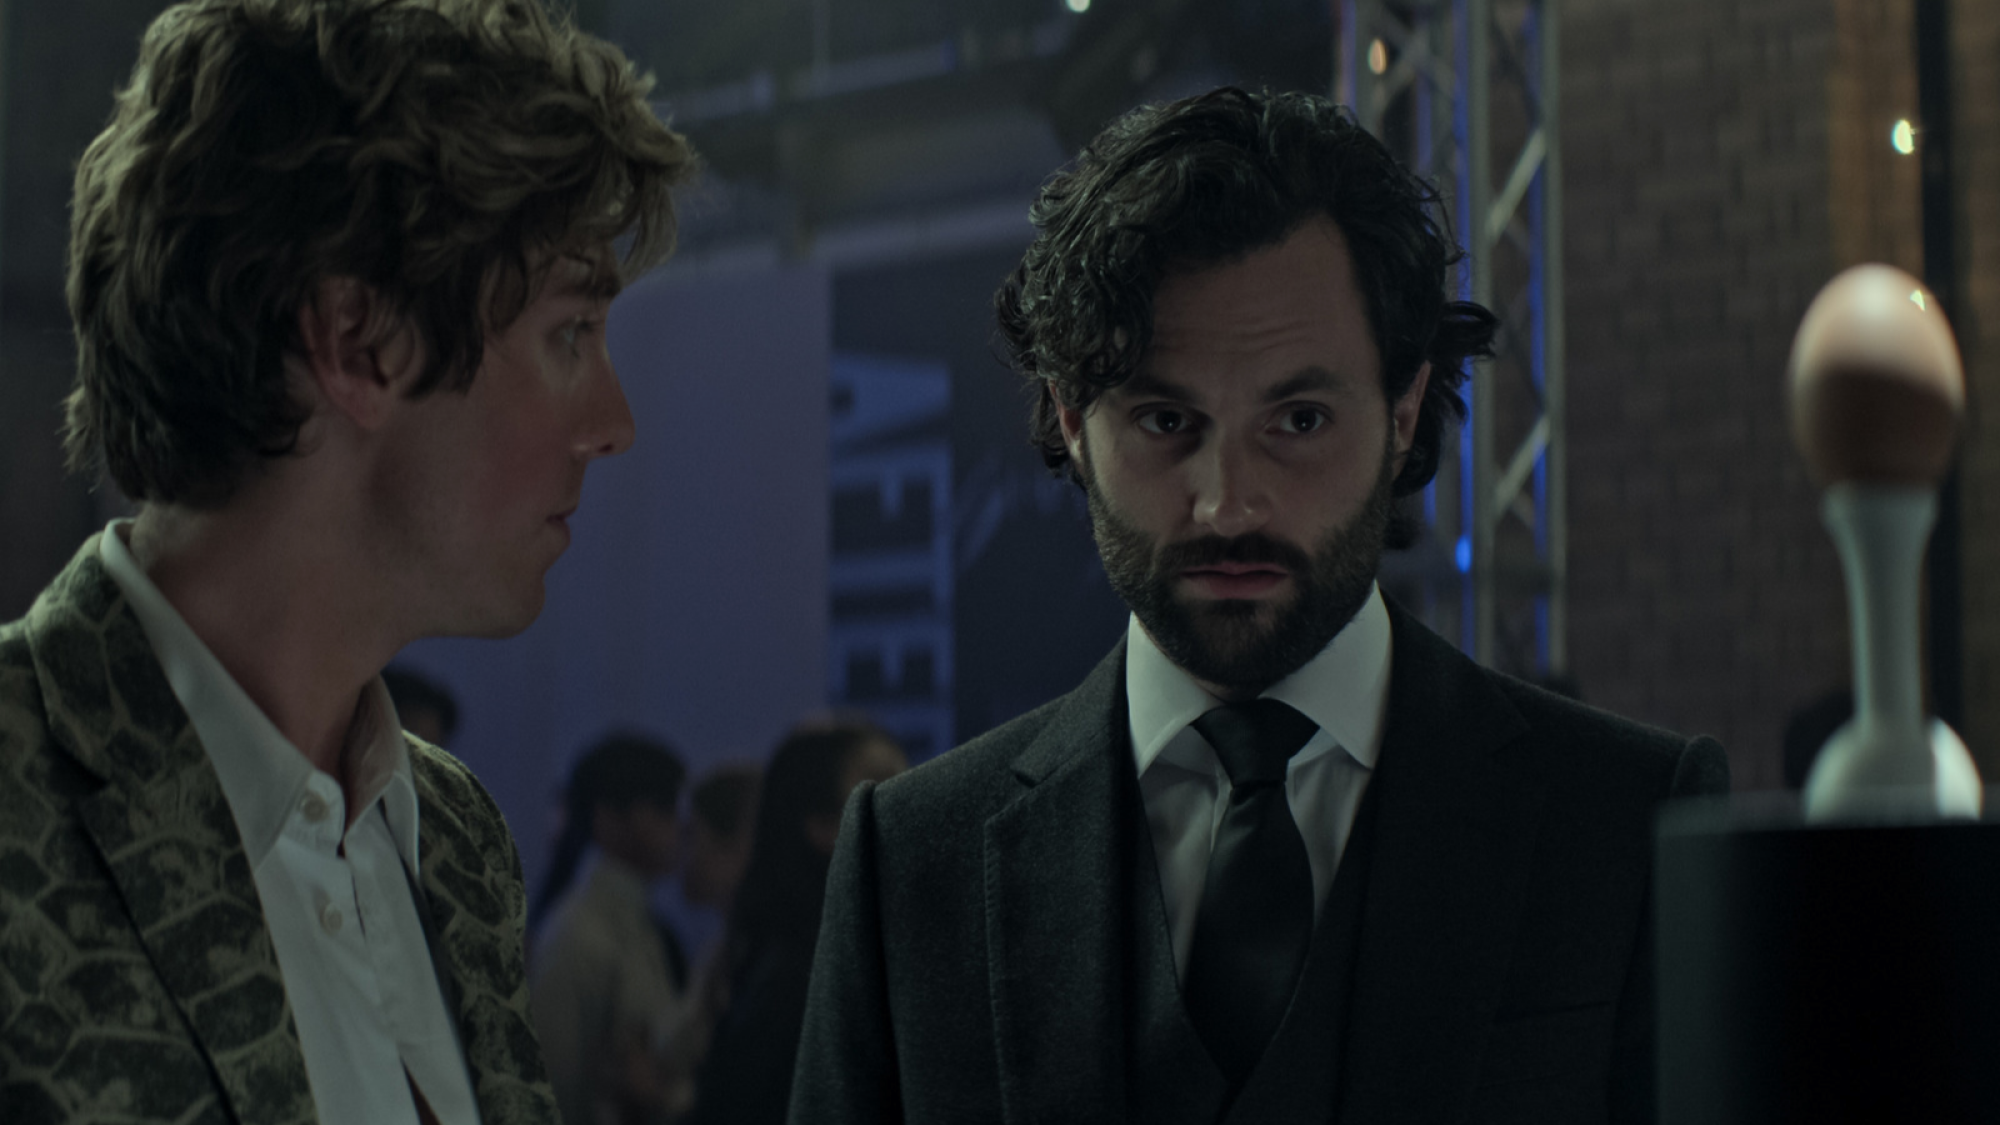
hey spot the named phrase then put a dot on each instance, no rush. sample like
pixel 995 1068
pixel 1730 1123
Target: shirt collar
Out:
pixel 1344 689
pixel 264 777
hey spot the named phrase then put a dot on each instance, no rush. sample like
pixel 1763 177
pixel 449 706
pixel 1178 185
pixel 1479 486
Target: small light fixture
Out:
pixel 1077 6
pixel 1903 138
pixel 1378 57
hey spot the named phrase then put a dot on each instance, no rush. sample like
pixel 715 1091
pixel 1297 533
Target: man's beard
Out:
pixel 1239 645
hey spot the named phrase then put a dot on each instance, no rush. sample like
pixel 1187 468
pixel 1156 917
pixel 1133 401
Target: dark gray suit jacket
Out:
pixel 975 939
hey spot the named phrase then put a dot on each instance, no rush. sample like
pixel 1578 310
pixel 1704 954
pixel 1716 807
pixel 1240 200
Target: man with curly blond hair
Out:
pixel 339 271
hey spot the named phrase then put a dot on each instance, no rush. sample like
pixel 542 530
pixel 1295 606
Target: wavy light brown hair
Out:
pixel 442 152
pixel 1207 180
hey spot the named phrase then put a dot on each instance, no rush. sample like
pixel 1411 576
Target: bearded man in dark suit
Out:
pixel 1285 855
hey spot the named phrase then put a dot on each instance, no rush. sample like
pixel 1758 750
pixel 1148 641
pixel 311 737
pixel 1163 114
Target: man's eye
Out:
pixel 1163 422
pixel 1303 420
pixel 576 331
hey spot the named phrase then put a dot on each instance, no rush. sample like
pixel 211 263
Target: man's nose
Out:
pixel 609 429
pixel 1230 498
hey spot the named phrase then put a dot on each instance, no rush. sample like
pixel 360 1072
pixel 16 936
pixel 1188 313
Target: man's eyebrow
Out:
pixel 1314 378
pixel 1144 384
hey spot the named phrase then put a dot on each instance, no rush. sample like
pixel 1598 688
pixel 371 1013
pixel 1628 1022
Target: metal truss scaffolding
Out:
pixel 1465 92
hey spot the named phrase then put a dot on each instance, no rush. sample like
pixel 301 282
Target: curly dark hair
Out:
pixel 442 152
pixel 1206 180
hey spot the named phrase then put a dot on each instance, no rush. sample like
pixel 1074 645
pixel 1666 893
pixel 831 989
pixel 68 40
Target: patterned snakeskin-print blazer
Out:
pixel 137 980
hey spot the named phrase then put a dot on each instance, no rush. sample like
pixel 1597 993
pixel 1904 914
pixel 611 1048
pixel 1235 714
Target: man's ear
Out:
pixel 1405 413
pixel 1071 421
pixel 360 358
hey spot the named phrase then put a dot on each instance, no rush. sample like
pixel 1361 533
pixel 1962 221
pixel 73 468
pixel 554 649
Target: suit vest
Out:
pixel 1170 1078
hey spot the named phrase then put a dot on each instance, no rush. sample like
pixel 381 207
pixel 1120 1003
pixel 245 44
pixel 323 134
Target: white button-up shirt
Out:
pixel 1345 689
pixel 338 897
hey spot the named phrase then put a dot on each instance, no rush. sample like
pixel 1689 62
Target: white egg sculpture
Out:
pixel 1877 397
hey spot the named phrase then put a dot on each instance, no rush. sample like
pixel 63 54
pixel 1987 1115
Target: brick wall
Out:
pixel 1704 594
pixel 1724 158
pixel 1975 35
pixel 1875 192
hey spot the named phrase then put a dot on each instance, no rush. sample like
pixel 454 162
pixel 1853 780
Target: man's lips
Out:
pixel 560 521
pixel 1235 580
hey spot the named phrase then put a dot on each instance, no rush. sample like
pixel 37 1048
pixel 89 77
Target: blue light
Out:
pixel 1464 554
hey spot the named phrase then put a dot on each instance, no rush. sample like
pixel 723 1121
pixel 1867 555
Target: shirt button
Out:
pixel 314 807
pixel 330 919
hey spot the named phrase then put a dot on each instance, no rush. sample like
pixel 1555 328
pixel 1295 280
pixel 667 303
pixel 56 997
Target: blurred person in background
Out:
pixel 767 951
pixel 723 810
pixel 425 707
pixel 608 979
pixel 724 805
pixel 337 271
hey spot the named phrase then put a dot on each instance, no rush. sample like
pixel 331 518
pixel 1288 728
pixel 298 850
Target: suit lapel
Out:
pixel 168 841
pixel 1455 837
pixel 1054 913
pixel 473 909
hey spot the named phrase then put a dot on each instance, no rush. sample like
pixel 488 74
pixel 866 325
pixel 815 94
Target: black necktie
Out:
pixel 1255 920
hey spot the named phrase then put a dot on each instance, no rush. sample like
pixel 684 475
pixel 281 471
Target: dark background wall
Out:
pixel 1975 37
pixel 1724 158
pixel 59 63
pixel 1705 595
pixel 1034 612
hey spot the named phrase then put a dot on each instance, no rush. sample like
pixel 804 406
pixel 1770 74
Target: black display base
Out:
pixel 1826 974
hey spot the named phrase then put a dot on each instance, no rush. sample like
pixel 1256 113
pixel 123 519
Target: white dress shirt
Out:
pixel 1345 689
pixel 337 896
